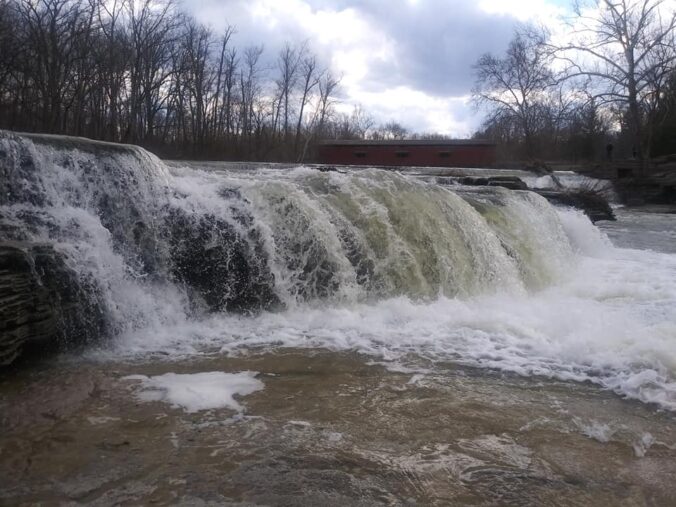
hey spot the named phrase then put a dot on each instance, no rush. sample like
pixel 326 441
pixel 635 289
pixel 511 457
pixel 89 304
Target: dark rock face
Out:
pixel 595 206
pixel 115 201
pixel 224 270
pixel 43 302
pixel 511 182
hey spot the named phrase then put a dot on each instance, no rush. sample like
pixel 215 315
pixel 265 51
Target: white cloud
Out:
pixel 419 111
pixel 409 60
pixel 540 11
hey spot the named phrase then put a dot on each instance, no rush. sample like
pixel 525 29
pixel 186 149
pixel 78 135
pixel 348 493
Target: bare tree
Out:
pixel 250 89
pixel 391 130
pixel 10 52
pixel 54 35
pixel 287 64
pixel 360 122
pixel 328 85
pixel 151 25
pixel 628 50
pixel 113 56
pixel 223 82
pixel 141 71
pixel 198 78
pixel 232 63
pixel 515 85
pixel 310 78
pixel 323 112
pixel 588 128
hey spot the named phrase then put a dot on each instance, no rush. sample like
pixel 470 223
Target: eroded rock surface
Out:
pixel 42 301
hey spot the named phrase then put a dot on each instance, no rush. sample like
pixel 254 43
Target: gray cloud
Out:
pixel 433 43
pixel 436 42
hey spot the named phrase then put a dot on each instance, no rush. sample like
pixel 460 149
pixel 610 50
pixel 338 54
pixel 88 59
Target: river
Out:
pixel 547 381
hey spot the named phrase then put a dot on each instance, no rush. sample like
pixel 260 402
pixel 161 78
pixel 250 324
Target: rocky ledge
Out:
pixel 593 204
pixel 42 302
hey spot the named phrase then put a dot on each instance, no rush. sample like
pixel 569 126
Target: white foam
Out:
pixel 611 322
pixel 596 430
pixel 642 445
pixel 199 391
pixel 584 237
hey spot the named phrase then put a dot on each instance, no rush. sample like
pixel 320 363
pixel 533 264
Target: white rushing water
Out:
pixel 191 262
pixel 611 322
pixel 607 315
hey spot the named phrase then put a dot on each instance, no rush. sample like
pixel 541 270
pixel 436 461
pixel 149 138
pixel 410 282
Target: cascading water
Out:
pixel 256 241
pixel 99 209
pixel 175 258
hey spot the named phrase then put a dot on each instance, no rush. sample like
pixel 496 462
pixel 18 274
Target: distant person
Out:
pixel 609 151
pixel 634 153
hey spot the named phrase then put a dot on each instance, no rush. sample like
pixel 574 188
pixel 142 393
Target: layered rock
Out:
pixel 42 301
pixel 86 227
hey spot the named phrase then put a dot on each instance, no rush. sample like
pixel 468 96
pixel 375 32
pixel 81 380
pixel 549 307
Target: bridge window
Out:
pixel 402 154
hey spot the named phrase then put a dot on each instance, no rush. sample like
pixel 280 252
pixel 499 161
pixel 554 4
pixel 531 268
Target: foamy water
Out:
pixel 402 330
pixel 369 261
pixel 198 391
pixel 610 321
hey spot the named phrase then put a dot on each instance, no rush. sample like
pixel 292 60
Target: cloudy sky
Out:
pixel 403 60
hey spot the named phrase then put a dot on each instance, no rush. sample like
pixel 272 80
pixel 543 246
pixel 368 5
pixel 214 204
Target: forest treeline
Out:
pixel 143 72
pixel 611 81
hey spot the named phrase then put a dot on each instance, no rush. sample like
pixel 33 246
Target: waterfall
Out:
pixel 132 242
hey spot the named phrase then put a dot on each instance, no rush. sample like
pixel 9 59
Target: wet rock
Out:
pixel 595 206
pixel 224 269
pixel 43 303
pixel 511 182
pixel 472 181
pixel 24 312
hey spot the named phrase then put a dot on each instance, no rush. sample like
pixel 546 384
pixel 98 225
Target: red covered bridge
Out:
pixel 444 153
